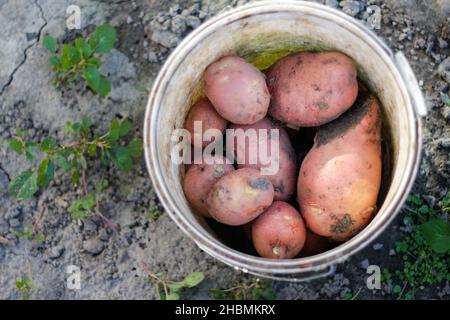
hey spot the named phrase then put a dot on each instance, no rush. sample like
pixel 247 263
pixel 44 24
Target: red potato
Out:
pixel 203 112
pixel 240 197
pixel 310 89
pixel 284 178
pixel 279 233
pixel 200 178
pixel 237 90
pixel 340 177
pixel 314 244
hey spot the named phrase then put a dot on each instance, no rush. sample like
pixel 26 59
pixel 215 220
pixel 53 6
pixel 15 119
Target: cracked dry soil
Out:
pixel 148 30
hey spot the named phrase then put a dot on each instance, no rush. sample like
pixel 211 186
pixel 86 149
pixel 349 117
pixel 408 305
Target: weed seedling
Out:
pixel 247 289
pixel 168 289
pixel 24 286
pixel 425 251
pixel 82 59
pixel 72 158
pixel 153 213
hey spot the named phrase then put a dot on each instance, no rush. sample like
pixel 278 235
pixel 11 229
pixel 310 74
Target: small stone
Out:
pixel 202 14
pixel 165 38
pixel 444 69
pixel 56 252
pixel 14 223
pixel 178 24
pixel 332 3
pixel 193 22
pixel 152 57
pixel 129 20
pixel 103 235
pixel 443 44
pixel 12 213
pixel 402 36
pixel 365 264
pixel 377 246
pixel 117 64
pixel 351 7
pixel 93 246
pixel 392 252
pixel 89 226
pixel 445 111
pixel 431 201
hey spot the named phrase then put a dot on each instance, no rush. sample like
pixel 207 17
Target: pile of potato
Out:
pixel 336 182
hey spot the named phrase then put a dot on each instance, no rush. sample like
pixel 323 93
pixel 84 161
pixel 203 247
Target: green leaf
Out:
pixel 69 56
pixel 62 162
pixel 82 208
pixel 122 159
pixel 92 150
pixel 54 61
pixel 20 133
pixel 194 279
pixel 50 43
pixel 46 173
pixel 397 289
pixel 124 127
pixel 104 87
pixel 135 147
pixel 92 77
pixel 437 234
pixel 16 145
pixel 24 186
pixel 94 62
pixel 176 286
pixel 114 130
pixel 103 39
pixel 48 144
pixel 83 48
pixel 39 238
pixel 30 148
pixel 76 127
pixel 173 296
pixel 23 234
pixel 153 214
pixel 445 99
pixel 87 122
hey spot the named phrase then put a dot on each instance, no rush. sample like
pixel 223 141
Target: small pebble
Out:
pixel 56 252
pixel 14 223
pixel 365 264
pixel 377 246
pixel 93 246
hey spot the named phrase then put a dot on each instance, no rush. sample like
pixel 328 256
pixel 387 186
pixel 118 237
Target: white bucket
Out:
pixel 264 27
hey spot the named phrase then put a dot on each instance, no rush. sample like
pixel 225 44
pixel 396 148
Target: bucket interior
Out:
pixel 262 39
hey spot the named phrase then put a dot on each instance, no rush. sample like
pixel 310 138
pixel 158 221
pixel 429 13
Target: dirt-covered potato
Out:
pixel 237 90
pixel 240 197
pixel 279 233
pixel 309 89
pixel 200 178
pixel 203 113
pixel 340 177
pixel 314 244
pixel 284 162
